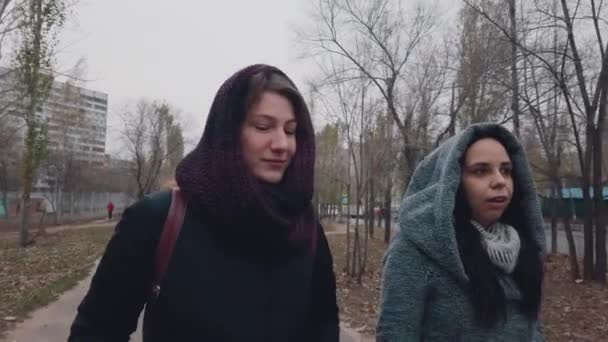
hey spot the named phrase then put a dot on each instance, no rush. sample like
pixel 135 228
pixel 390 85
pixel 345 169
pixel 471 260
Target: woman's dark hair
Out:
pixel 274 82
pixel 216 181
pixel 262 82
pixel 487 295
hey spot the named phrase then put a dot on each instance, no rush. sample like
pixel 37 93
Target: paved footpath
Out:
pixel 52 323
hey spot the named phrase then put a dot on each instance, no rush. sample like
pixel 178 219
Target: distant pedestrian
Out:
pixel 467 261
pixel 110 210
pixel 251 262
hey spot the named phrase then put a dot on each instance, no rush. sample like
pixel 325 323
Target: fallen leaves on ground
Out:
pixel 329 227
pixel 34 276
pixel 358 303
pixel 571 311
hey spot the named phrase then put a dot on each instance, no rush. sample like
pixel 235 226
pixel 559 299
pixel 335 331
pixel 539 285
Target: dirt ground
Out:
pixel 35 276
pixel 571 311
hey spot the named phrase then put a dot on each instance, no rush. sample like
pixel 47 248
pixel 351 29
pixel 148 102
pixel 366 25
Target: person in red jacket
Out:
pixel 110 210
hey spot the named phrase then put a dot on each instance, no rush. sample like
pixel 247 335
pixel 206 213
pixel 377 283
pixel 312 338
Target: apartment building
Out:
pixel 76 118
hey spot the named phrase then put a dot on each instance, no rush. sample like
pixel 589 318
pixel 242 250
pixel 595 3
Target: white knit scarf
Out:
pixel 502 244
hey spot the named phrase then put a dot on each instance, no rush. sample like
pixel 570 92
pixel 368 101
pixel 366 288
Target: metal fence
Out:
pixel 69 204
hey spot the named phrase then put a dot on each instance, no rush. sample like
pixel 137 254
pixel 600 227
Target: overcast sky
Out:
pixel 181 50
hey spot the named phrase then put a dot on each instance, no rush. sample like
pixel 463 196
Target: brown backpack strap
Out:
pixel 171 229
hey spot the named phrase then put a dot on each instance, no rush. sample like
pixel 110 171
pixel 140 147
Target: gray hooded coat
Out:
pixel 424 291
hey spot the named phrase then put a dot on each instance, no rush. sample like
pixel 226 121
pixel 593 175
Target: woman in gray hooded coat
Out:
pixel 466 263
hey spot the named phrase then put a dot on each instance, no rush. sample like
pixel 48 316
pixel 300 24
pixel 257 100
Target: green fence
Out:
pixel 572 207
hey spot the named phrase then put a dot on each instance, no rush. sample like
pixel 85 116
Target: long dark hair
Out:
pixel 486 293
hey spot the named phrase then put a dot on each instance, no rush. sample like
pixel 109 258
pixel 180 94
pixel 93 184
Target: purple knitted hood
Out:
pixel 215 179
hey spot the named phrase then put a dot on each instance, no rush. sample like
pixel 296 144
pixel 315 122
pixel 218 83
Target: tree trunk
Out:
pixel 410 159
pixel 71 203
pixel 453 114
pixel 360 195
pixel 600 238
pixel 588 265
pixel 514 80
pixel 339 211
pixel 28 176
pixel 25 206
pixel 356 262
pixel 5 203
pixel 588 258
pixel 387 210
pixel 372 200
pixel 600 253
pixel 554 203
pixel 380 205
pixel 4 187
pixel 348 240
pixel 356 246
pixel 365 250
pixel 368 222
pixel 59 208
pixel 340 205
pixel 366 208
pixel 575 271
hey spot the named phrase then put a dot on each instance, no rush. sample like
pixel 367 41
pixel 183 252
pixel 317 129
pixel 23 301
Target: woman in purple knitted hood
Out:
pixel 250 263
pixel 255 160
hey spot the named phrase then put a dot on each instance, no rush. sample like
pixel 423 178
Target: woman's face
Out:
pixel 487 180
pixel 268 136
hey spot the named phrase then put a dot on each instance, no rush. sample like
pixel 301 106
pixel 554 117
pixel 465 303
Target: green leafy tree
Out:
pixel 39 26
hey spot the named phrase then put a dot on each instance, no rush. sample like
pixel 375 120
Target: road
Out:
pixel 562 242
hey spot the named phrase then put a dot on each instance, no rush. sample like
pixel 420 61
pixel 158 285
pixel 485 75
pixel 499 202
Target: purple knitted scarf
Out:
pixel 216 181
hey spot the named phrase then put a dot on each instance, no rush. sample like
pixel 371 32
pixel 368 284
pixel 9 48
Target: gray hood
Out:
pixel 426 217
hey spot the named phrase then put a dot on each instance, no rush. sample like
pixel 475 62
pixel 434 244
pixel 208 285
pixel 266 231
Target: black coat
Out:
pixel 210 292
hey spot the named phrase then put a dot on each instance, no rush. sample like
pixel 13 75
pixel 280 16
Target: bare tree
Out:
pixel 585 103
pixel 149 136
pixel 541 98
pixel 174 146
pixel 539 93
pixel 349 103
pixel 514 71
pixel 377 38
pixel 330 168
pixel 9 20
pixel 483 66
pixel 390 46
